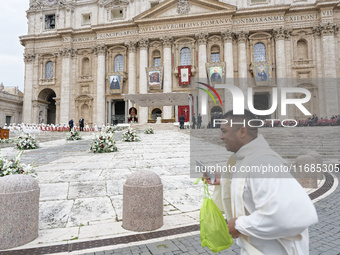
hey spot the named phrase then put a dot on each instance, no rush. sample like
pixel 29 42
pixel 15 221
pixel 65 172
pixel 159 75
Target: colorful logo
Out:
pixel 208 92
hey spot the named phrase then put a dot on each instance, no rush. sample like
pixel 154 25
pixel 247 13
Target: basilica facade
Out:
pixel 83 58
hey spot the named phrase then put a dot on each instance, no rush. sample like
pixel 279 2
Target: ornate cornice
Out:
pixel 228 35
pixel 132 46
pixel 202 38
pixel 67 52
pixel 167 41
pixel 242 37
pixel 143 44
pixel 28 58
pixel 99 49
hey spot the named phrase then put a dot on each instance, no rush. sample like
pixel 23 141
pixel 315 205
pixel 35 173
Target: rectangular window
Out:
pixel 259 1
pixel 156 61
pixel 86 19
pixel 50 21
pixel 117 14
pixel 215 57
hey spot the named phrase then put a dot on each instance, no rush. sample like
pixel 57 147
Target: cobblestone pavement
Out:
pixel 324 236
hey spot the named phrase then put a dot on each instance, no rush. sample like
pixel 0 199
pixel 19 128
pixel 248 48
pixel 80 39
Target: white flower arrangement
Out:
pixel 103 143
pixel 130 135
pixel 26 142
pixel 73 135
pixel 149 130
pixel 13 166
pixel 110 129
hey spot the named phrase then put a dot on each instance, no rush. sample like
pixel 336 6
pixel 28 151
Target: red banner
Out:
pixel 185 110
pixel 184 75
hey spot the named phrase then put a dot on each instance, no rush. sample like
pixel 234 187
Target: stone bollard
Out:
pixel 19 210
pixel 306 166
pixel 143 202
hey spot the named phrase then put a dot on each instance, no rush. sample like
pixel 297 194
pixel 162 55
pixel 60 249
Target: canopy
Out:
pixel 159 99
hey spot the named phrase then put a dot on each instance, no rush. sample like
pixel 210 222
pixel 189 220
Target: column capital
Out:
pixel 227 35
pixel 167 41
pixel 242 36
pixel 67 52
pixel 99 49
pixel 317 31
pixel 143 44
pixel 328 29
pixel 28 58
pixel 279 33
pixel 201 38
pixel 132 46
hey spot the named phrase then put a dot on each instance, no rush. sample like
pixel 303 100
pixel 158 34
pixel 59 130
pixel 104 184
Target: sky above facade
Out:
pixel 13 23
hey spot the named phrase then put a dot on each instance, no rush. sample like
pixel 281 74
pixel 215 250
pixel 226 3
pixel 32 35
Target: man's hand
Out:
pixel 206 179
pixel 232 230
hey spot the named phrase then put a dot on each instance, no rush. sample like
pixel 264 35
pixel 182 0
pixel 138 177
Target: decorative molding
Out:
pixel 70 7
pixel 317 31
pixel 132 46
pixel 183 7
pixel 167 41
pixel 143 44
pixel 242 37
pixel 28 58
pixel 201 38
pixel 68 52
pixel 113 4
pixel 228 35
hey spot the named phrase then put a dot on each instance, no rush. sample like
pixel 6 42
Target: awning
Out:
pixel 159 99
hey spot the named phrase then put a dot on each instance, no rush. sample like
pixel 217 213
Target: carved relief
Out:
pixel 183 7
pixel 28 58
pixel 167 41
pixel 68 52
pixel 242 37
pixel 227 35
pixel 99 49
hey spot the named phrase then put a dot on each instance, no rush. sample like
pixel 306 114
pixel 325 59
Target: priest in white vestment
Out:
pixel 267 213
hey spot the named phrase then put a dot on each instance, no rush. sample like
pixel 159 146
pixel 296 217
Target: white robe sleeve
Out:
pixel 278 208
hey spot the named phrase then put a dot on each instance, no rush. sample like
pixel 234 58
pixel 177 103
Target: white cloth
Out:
pixel 273 214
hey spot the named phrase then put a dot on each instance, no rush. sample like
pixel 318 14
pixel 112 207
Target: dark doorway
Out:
pixel 156 113
pixel 119 116
pixel 51 109
pixel 215 113
pixel 261 102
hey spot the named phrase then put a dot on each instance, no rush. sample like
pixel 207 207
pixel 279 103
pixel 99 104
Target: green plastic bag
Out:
pixel 214 229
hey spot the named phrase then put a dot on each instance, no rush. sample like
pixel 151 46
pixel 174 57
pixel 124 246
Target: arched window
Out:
pixel 302 49
pixel 215 54
pixel 185 56
pixel 156 113
pixel 156 55
pixel 85 69
pixel 49 70
pixel 119 63
pixel 259 52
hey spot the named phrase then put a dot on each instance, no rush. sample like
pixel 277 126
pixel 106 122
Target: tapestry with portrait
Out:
pixel 216 72
pixel 155 78
pixel 116 82
pixel 262 73
pixel 184 75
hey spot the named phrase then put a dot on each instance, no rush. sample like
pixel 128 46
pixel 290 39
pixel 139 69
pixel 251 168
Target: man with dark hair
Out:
pixel 81 123
pixel 70 123
pixel 266 214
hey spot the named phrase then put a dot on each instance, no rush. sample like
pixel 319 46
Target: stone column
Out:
pixel 100 51
pixel 28 91
pixel 328 45
pixel 66 84
pixel 143 87
pixel 109 107
pixel 280 64
pixel 167 88
pixel 229 59
pixel 202 75
pixel 319 72
pixel 132 69
pixel 242 38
